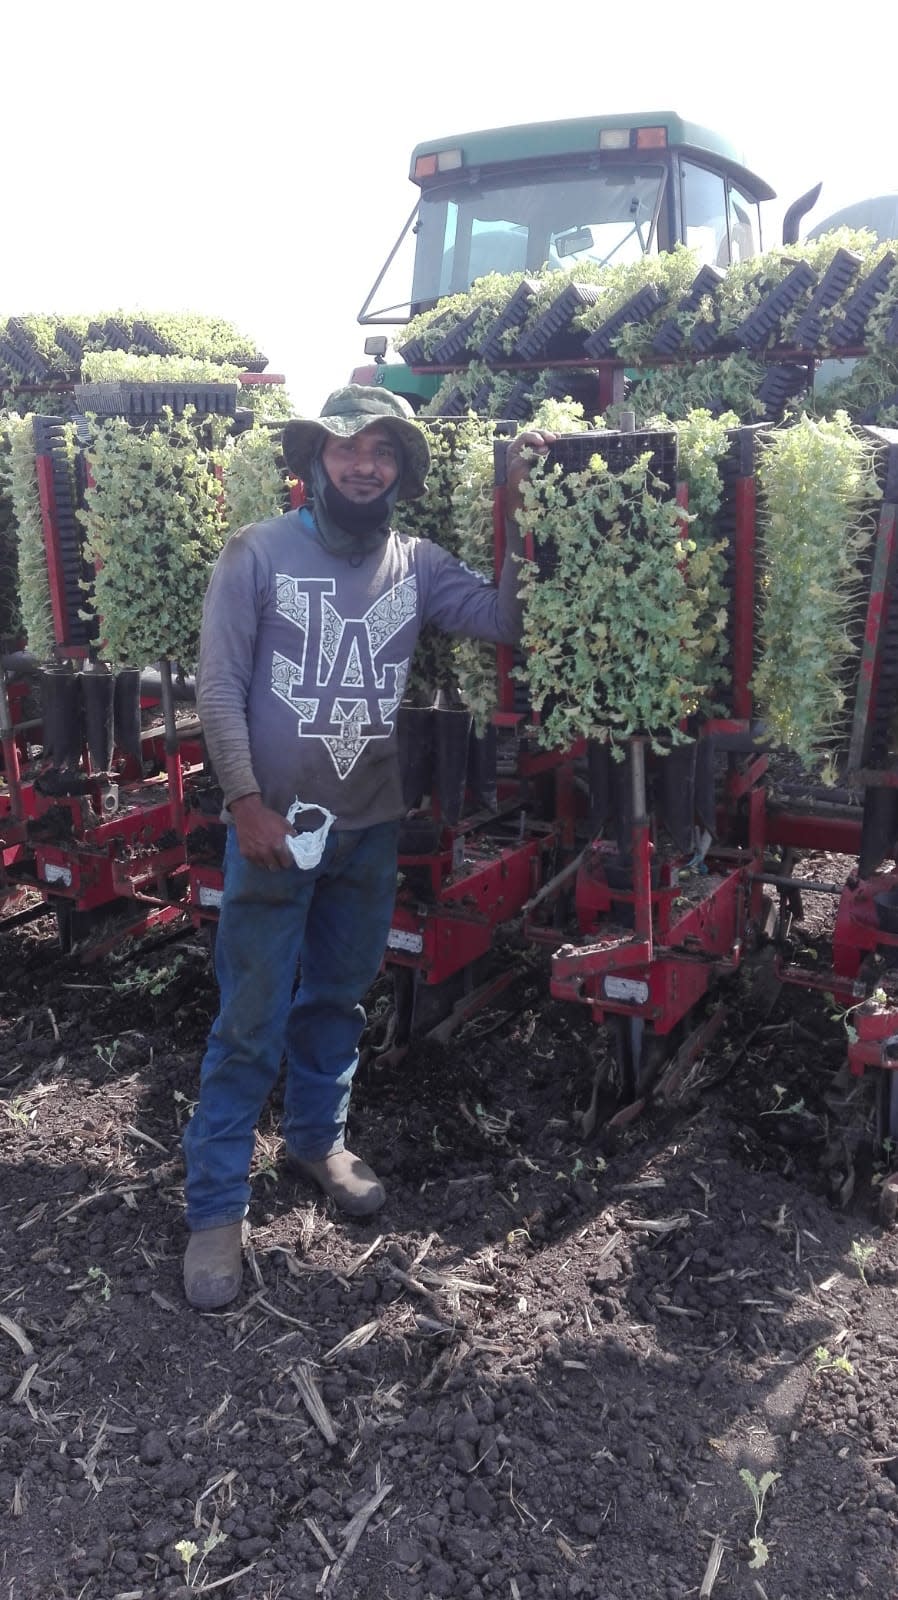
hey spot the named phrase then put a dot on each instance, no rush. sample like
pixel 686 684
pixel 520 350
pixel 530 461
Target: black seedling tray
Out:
pixel 638 308
pixel 149 399
pixel 550 335
pixel 413 352
pixel 851 326
pixel 491 347
pixel 670 335
pixel 573 453
pixel 455 404
pixel 836 281
pixel 70 344
pixel 780 385
pixel 115 334
pixel 151 341
pixel 456 345
pixel 758 328
pixel 22 358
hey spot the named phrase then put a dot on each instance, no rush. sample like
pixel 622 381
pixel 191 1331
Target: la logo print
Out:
pixel 344 658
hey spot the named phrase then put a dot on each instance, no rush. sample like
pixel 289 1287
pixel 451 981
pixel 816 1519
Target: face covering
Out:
pixel 346 528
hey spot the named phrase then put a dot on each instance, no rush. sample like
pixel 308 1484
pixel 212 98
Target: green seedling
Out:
pixel 188 1551
pixel 758 1491
pixel 184 1106
pixel 21 485
pixel 101 1280
pixel 267 1169
pixel 152 524
pixel 860 1255
pixel 842 1013
pixel 589 1170
pixel 495 1127
pixel 585 627
pixel 778 1109
pixel 827 1363
pixel 107 1053
pixel 810 581
pixel 19 1111
pixel 149 980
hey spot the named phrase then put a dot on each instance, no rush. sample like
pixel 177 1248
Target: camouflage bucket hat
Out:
pixel 346 412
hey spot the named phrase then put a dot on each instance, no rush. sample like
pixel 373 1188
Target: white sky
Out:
pixel 251 161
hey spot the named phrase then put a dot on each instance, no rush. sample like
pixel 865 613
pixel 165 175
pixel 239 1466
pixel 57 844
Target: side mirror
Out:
pixel 376 346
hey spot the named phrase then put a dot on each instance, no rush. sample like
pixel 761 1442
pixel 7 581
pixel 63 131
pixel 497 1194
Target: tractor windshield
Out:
pixel 518 223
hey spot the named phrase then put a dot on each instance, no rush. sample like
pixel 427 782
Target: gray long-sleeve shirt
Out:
pixel 304 658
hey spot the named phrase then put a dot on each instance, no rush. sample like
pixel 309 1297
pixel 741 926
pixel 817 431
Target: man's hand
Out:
pixel 518 458
pixel 261 833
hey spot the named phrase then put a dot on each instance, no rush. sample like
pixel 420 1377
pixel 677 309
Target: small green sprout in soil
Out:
pixel 101 1280
pixel 887 1146
pixel 149 980
pixel 19 1111
pixel 758 1488
pixel 824 1362
pixel 842 1013
pixel 267 1169
pixel 860 1255
pixel 188 1551
pixel 778 1109
pixel 184 1106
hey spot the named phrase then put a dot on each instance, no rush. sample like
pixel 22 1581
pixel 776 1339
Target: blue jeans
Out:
pixel 332 920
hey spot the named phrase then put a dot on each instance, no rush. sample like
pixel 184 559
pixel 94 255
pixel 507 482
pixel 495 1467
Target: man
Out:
pixel 309 626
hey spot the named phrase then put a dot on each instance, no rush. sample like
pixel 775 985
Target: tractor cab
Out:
pixel 602 189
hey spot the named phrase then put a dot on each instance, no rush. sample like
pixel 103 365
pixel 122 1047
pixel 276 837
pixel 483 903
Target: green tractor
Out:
pixel 605 190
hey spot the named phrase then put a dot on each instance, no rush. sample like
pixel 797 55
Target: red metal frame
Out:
pixel 882 582
pixel 493 886
pixel 858 932
pixel 670 960
pixel 875 1044
pixel 205 886
pixel 796 830
pixel 160 917
pixel 100 862
pixel 11 802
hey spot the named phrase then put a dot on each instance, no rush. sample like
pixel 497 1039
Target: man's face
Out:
pixel 363 467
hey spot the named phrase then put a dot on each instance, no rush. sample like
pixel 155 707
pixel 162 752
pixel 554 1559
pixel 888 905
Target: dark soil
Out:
pixel 538 1372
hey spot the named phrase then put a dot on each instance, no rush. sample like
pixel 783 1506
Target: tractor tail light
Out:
pixel 651 138
pixel 439 161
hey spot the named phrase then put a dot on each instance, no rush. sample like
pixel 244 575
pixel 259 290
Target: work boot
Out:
pixel 213 1266
pixel 351 1185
